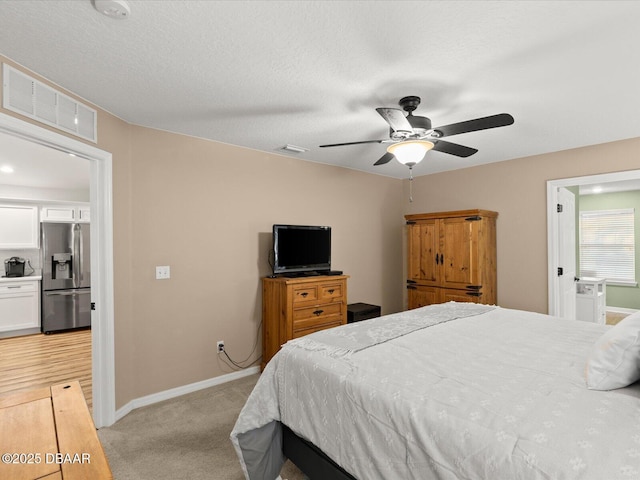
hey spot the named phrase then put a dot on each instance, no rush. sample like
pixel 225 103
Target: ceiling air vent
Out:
pixel 29 97
pixel 294 149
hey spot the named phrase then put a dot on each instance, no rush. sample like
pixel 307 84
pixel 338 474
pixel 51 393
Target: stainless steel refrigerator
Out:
pixel 66 276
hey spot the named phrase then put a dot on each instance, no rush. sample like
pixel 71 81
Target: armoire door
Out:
pixel 460 252
pixel 450 295
pixel 423 240
pixel 421 296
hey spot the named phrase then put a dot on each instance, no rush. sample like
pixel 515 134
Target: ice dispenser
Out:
pixel 61 266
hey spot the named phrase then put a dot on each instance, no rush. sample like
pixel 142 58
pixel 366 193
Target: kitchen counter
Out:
pixel 20 279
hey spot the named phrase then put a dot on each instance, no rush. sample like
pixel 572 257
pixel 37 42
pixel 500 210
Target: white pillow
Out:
pixel 614 361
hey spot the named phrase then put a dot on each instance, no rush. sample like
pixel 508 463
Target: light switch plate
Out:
pixel 163 272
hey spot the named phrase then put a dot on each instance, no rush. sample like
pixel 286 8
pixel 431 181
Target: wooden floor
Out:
pixel 40 360
pixel 613 317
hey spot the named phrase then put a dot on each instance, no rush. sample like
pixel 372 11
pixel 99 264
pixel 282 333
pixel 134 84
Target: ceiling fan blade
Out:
pixel 386 158
pixel 396 119
pixel 351 143
pixel 493 121
pixel 453 148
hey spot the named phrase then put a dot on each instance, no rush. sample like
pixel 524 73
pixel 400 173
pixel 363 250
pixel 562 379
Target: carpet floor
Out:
pixel 185 437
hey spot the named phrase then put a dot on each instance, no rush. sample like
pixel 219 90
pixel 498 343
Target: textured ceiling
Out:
pixel 266 74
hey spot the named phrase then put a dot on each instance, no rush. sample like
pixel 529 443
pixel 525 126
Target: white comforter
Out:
pixel 453 391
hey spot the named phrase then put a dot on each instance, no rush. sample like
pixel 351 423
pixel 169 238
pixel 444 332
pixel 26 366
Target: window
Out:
pixel 607 245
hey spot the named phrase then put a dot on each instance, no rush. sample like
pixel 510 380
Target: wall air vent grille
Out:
pixel 29 97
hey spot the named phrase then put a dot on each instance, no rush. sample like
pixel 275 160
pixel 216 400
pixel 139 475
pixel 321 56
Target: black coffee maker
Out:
pixel 14 267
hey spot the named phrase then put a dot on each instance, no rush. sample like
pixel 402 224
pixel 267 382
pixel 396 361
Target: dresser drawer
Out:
pixel 331 291
pixel 305 293
pixel 316 315
pixel 317 328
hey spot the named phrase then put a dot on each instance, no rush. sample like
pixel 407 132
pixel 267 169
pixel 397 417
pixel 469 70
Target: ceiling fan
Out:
pixel 411 136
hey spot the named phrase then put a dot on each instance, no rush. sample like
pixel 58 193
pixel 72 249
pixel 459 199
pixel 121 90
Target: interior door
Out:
pixel 566 254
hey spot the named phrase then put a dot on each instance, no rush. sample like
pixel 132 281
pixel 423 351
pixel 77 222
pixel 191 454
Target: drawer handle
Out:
pixel 14 286
pixel 318 312
pixel 304 294
pixel 331 291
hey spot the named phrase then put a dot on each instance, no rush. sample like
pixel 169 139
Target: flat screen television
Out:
pixel 301 248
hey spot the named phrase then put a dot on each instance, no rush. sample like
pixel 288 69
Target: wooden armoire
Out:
pixel 451 257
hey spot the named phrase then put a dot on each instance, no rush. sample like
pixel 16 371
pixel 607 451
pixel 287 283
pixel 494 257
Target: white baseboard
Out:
pixel 183 390
pixel 20 333
pixel 620 310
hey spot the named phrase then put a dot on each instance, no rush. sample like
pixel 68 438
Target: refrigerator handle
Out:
pixel 66 293
pixel 77 255
pixel 81 264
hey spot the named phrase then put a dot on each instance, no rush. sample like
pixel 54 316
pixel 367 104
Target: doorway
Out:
pixel 553 228
pixel 102 332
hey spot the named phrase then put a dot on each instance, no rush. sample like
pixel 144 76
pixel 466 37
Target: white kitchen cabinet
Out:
pixel 66 213
pixel 591 300
pixel 19 227
pixel 19 305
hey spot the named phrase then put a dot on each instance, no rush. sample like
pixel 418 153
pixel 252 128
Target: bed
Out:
pixel 451 391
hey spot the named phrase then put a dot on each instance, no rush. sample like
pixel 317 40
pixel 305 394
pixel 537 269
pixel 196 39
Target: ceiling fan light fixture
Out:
pixel 410 152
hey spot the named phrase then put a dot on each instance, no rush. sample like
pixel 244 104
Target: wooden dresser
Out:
pixel 293 307
pixel 48 434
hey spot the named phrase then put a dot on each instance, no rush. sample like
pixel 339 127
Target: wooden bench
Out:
pixel 49 434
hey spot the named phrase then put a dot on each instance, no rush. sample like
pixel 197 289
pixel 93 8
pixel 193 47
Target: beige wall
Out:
pixel 206 209
pixel 517 190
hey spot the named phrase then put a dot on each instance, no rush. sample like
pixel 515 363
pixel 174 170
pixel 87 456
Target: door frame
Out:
pixel 102 330
pixel 552 224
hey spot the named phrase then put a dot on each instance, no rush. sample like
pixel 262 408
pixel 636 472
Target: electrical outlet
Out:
pixel 163 272
pixel 220 346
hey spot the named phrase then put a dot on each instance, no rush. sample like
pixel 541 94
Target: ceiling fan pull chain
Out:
pixel 410 184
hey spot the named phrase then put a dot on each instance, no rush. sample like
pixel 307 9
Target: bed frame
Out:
pixel 310 459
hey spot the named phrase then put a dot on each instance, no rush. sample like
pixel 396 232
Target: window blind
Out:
pixel 607 244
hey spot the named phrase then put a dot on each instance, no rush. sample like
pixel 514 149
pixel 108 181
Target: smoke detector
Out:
pixel 118 9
